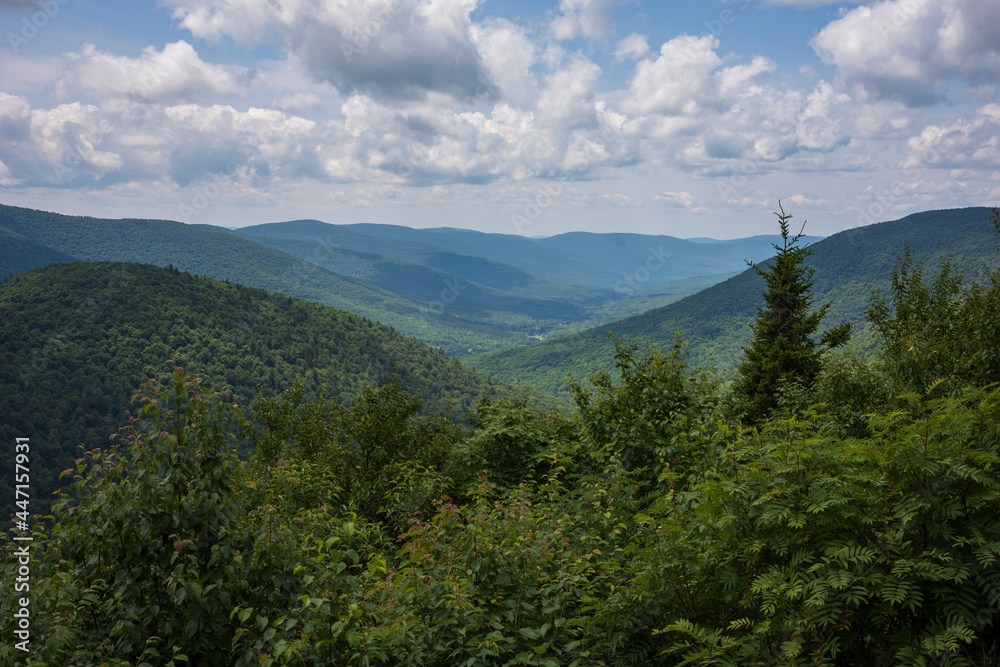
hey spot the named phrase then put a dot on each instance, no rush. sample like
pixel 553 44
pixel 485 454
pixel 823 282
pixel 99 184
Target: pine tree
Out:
pixel 783 349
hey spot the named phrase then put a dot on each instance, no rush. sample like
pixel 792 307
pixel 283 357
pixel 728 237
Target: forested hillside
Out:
pixel 853 520
pixel 76 339
pixel 715 322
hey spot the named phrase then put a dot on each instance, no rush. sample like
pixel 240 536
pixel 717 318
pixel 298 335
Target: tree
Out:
pixel 783 350
pixel 942 333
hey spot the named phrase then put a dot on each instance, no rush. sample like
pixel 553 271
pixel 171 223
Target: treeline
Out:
pixel 663 523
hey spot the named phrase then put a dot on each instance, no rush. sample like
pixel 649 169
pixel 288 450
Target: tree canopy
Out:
pixel 783 350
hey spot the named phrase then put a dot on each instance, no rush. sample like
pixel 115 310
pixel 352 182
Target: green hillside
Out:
pixel 481 285
pixel 716 321
pixel 464 291
pixel 76 339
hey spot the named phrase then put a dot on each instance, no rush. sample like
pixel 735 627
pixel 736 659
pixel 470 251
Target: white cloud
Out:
pixel 175 74
pixel 590 19
pixel 633 47
pixel 301 101
pixel 963 143
pixel 910 49
pixel 684 199
pixel 508 55
pixel 687 77
pixel 428 95
pixel 568 99
pixel 395 47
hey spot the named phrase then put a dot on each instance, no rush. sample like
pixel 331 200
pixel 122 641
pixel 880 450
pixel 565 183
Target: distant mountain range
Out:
pixel 464 291
pixel 507 302
pixel 716 321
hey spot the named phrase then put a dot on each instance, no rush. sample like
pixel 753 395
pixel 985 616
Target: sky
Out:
pixel 689 118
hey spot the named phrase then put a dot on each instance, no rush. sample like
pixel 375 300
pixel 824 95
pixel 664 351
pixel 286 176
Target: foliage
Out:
pixel 142 551
pixel 511 437
pixel 806 548
pixel 940 333
pixel 506 579
pixel 650 416
pixel 353 446
pixel 783 350
pixel 856 525
pixel 77 338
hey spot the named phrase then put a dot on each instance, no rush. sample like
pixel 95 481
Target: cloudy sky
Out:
pixel 680 117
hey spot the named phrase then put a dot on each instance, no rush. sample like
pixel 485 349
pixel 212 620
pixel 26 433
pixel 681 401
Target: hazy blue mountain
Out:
pixel 465 291
pixel 18 253
pixel 579 259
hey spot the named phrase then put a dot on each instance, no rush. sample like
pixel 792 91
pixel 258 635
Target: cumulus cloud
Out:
pixel 684 199
pixel 75 144
pixel 568 98
pixel 963 143
pixel 633 47
pixel 402 107
pixel 909 50
pixel 590 19
pixel 395 47
pixel 174 74
pixel 687 77
pixel 507 54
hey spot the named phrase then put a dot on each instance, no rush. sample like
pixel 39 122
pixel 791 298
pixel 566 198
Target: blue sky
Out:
pixel 687 118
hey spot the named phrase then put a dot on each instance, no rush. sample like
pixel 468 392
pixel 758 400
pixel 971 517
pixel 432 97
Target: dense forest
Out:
pixel 77 338
pixel 667 521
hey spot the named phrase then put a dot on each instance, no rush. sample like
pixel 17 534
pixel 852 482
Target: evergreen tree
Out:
pixel 783 350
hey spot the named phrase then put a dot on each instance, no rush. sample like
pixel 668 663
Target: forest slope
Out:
pixel 716 321
pixel 77 338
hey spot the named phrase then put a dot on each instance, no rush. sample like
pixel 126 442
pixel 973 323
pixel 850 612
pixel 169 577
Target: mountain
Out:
pixel 18 253
pixel 219 253
pixel 76 339
pixel 716 321
pixel 510 262
pixel 467 292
